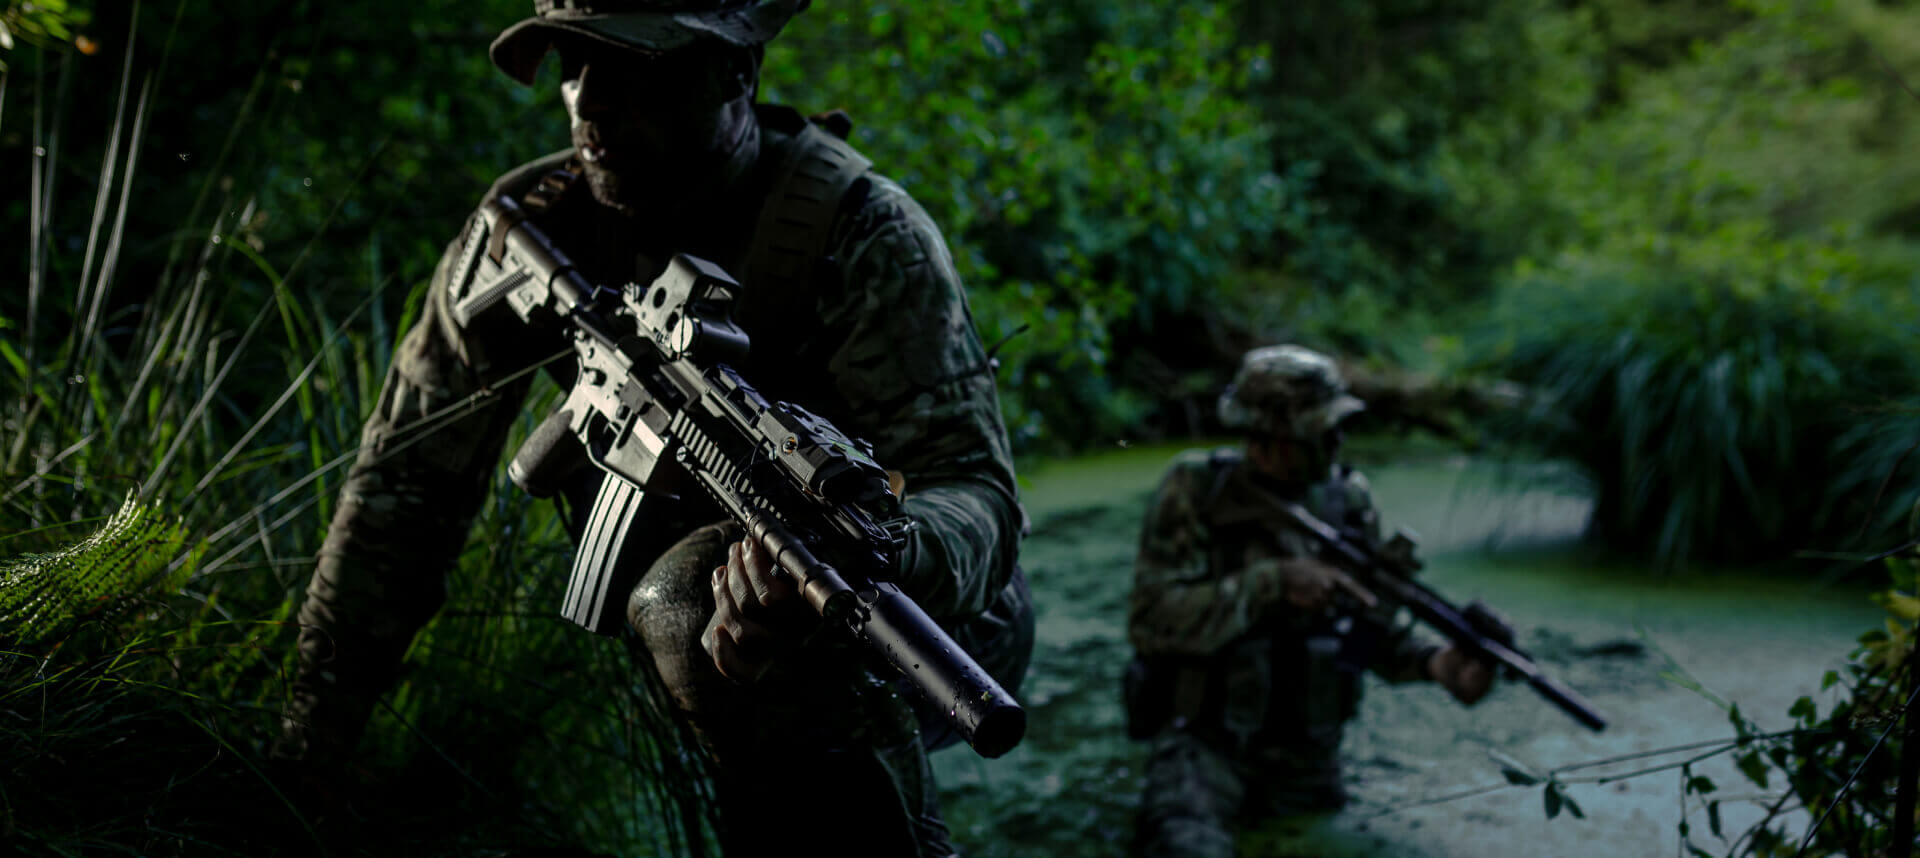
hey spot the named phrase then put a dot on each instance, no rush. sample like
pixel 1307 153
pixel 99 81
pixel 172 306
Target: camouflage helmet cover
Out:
pixel 647 26
pixel 1287 389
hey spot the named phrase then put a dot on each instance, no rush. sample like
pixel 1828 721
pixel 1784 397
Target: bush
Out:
pixel 1093 166
pixel 212 355
pixel 1712 391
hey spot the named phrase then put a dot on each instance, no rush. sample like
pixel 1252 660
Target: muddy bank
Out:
pixel 1604 628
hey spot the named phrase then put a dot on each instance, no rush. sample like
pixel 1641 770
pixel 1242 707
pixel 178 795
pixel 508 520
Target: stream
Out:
pixel 1507 534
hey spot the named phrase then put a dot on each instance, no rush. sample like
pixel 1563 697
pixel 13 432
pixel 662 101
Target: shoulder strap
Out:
pixel 796 222
pixel 1334 507
pixel 1221 463
pixel 546 194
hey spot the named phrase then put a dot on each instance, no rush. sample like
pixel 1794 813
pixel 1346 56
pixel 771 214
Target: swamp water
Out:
pixel 1505 536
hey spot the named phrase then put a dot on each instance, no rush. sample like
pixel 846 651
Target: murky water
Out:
pixel 1505 535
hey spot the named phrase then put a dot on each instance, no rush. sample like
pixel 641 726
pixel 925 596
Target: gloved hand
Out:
pixel 1466 677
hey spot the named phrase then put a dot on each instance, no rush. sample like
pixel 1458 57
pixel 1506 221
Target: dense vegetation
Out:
pixel 1686 228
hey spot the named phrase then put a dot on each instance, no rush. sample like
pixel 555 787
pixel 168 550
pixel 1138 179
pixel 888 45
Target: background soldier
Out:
pixel 855 312
pixel 1248 647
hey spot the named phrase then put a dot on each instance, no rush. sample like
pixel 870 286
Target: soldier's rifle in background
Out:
pixel 656 385
pixel 1388 571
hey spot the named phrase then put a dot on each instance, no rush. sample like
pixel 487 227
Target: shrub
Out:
pixel 1712 390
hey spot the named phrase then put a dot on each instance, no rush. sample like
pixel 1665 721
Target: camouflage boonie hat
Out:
pixel 648 26
pixel 1287 389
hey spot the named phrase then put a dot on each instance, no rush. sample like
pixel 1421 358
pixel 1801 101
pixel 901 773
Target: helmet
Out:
pixel 647 26
pixel 1289 390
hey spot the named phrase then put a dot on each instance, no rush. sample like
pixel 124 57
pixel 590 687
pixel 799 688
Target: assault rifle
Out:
pixel 1388 571
pixel 656 385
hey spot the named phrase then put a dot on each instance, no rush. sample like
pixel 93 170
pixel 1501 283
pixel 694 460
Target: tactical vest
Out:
pixel 788 253
pixel 1285 685
pixel 1263 688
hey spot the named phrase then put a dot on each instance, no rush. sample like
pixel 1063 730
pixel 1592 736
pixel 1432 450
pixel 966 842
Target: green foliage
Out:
pixel 1367 101
pixel 1843 766
pixel 214 351
pixel 1093 166
pixel 1713 286
pixel 43 595
pixel 1691 382
pixel 41 23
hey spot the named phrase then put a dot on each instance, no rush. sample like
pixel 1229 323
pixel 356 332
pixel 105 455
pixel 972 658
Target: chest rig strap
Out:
pixel 790 248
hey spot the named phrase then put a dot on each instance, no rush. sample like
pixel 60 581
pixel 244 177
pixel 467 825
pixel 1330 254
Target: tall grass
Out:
pixel 1738 411
pixel 166 474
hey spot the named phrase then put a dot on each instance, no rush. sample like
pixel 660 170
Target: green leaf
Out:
pixel 14 358
pixel 1713 819
pixel 1754 767
pixel 1552 799
pixel 1700 784
pixel 1804 710
pixel 1741 726
pixel 1572 807
pixel 1901 605
pixel 1516 772
pixel 1830 680
pixel 1518 777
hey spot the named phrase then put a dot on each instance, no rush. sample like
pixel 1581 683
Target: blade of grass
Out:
pixel 43 470
pixel 112 256
pixel 109 165
pixel 286 395
pixel 414 433
pixel 166 461
pixel 217 168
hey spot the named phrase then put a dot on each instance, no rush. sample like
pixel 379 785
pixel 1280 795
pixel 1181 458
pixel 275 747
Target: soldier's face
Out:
pixel 652 131
pixel 1285 456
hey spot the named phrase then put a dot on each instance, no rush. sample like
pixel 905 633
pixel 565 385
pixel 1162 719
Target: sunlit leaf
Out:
pixel 1902 605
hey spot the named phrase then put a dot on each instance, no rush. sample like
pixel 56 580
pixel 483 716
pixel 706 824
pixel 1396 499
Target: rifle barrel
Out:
pixel 1436 611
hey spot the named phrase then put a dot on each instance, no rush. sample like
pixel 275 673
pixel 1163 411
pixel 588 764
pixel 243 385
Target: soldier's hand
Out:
pixel 1465 677
pixel 756 613
pixel 1310 584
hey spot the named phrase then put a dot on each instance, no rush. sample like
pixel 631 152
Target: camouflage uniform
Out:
pixel 1255 692
pixel 880 341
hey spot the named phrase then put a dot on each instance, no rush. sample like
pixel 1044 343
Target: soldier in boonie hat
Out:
pixel 1289 391
pixel 853 307
pixel 651 27
pixel 1248 644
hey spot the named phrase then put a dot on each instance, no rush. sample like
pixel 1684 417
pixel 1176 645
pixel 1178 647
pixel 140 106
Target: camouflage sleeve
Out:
pixel 912 377
pixel 425 457
pixel 1404 658
pixel 1178 606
